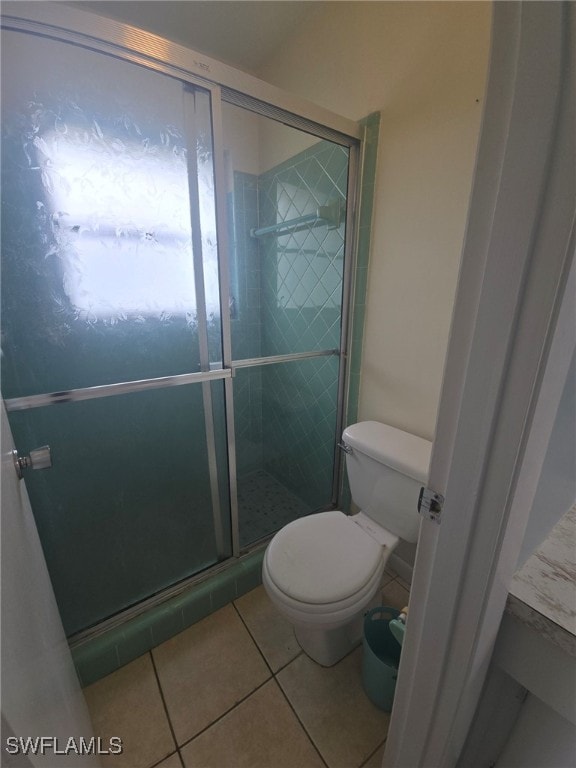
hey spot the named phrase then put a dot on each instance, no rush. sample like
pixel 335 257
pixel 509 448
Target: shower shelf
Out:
pixel 329 214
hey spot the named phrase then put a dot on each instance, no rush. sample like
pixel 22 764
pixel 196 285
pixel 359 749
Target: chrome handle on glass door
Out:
pixel 40 458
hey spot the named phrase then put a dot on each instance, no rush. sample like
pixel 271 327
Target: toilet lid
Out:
pixel 323 558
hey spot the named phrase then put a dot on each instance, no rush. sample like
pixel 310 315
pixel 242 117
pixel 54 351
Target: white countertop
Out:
pixel 543 591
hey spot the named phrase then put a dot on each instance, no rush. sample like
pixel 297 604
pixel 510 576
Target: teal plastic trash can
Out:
pixel 381 657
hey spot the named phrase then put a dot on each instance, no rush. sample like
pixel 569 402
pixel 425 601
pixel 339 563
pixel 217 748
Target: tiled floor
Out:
pixel 236 691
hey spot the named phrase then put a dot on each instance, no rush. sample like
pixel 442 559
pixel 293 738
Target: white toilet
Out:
pixel 323 572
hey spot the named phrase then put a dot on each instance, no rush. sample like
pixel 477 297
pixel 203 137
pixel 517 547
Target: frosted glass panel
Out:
pixel 110 274
pixel 126 508
pixel 98 272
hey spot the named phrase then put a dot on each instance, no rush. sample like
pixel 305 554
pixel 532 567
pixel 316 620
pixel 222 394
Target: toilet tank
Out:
pixel 386 469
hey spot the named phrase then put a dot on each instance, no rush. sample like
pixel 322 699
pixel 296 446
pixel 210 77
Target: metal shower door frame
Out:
pixel 224 84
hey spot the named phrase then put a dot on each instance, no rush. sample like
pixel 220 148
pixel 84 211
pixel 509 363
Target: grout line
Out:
pixel 272 677
pixel 163 700
pixel 283 667
pixel 223 715
pixel 164 758
pixel 387 580
pixel 284 694
pixel 272 672
pixel 371 755
pixel 309 736
pixel 252 638
pixel 279 686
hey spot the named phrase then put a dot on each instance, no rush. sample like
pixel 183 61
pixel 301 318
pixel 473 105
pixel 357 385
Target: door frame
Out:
pixel 502 383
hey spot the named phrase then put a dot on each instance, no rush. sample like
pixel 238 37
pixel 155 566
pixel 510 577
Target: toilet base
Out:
pixel 328 646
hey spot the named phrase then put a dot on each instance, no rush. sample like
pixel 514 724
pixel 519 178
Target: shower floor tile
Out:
pixel 235 691
pixel 265 506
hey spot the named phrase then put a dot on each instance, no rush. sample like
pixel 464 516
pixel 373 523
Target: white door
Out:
pixel 41 696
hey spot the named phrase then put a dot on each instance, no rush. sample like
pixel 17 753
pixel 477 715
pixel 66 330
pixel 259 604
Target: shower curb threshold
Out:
pixel 104 653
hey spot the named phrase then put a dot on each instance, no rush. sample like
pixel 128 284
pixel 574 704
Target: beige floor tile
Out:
pixel 271 631
pixel 403 583
pixel 390 572
pixel 387 578
pixel 128 704
pixel 376 760
pixel 174 762
pixel 394 595
pixel 331 704
pixel 206 670
pixel 262 732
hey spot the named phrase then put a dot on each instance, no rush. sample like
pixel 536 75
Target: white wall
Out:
pixel 258 143
pixel 241 139
pixel 540 739
pixel 423 65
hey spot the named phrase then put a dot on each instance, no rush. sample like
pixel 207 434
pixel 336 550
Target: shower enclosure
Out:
pixel 175 281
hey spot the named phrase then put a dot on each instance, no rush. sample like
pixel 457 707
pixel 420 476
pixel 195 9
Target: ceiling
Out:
pixel 243 33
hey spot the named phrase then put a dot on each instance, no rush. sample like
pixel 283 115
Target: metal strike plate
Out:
pixel 430 504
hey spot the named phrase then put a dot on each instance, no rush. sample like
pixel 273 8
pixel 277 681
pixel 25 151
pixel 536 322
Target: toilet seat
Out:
pixel 316 613
pixel 323 563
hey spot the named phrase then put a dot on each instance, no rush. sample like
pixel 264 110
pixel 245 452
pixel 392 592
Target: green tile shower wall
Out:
pixel 301 311
pixel 102 655
pixel 261 327
pixel 302 270
pixel 246 327
pixel 300 407
pixel 246 320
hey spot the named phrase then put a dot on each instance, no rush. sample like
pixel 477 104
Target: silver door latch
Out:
pixel 430 504
pixel 39 458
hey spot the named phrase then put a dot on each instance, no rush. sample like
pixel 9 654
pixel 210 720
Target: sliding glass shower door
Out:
pixel 111 311
pixel 173 317
pixel 288 193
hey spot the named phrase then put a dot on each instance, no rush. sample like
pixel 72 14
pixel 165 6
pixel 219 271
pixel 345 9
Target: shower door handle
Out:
pixel 40 458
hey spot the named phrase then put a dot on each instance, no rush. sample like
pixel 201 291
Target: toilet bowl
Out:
pixel 324 571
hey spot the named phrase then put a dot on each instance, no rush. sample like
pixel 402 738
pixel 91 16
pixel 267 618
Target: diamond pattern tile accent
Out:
pixel 299 422
pixel 289 294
